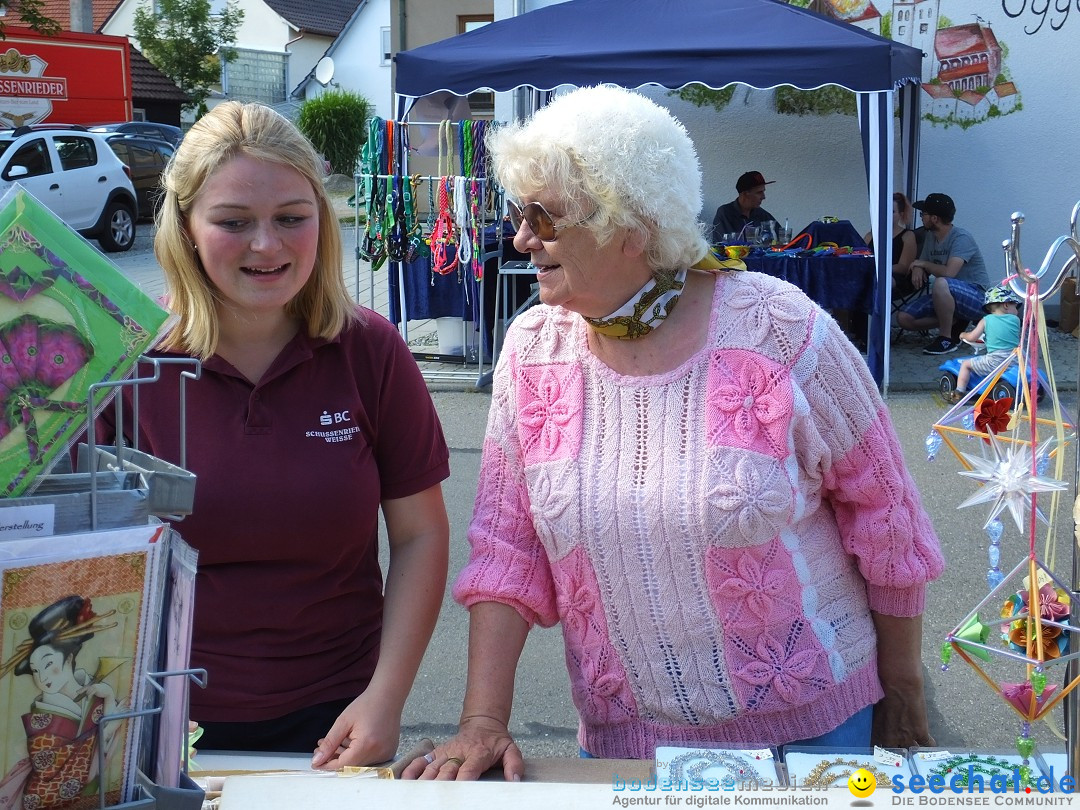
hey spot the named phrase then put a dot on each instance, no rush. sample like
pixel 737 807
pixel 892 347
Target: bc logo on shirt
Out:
pixel 335 418
pixel 341 424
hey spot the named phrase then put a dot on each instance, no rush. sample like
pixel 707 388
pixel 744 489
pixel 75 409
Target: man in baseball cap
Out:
pixel 940 205
pixel 731 218
pixel 949 255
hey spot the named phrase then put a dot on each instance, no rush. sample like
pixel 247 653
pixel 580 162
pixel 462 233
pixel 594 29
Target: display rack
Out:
pixel 157 797
pixel 174 489
pixel 474 363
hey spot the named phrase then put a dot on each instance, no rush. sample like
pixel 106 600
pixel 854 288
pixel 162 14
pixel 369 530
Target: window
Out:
pixel 384 39
pixel 479 103
pixel 138 114
pixel 120 149
pixel 255 76
pixel 34 156
pixel 470 22
pixel 75 152
pixel 144 159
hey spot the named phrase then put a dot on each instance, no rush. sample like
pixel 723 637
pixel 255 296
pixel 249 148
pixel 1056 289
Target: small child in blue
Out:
pixel 1000 330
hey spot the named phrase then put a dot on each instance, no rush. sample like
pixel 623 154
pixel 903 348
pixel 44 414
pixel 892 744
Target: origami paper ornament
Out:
pixel 1012 464
pixel 973 630
pixel 1021 694
pixel 992 415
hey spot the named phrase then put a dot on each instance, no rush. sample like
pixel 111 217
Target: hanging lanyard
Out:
pixel 442 237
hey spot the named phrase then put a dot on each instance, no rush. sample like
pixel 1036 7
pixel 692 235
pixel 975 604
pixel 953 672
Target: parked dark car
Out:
pixel 147 129
pixel 145 159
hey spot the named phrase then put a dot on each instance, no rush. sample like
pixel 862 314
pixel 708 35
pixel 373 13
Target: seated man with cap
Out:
pixel 745 208
pixel 950 255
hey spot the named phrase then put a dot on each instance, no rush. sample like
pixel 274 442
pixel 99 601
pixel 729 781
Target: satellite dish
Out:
pixel 324 71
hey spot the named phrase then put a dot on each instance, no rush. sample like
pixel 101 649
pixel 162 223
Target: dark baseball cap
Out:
pixel 940 205
pixel 751 180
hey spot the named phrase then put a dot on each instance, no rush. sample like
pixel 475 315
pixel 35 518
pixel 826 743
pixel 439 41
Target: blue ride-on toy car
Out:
pixel 1004 387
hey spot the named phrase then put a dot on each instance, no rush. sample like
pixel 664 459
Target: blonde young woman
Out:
pixel 309 418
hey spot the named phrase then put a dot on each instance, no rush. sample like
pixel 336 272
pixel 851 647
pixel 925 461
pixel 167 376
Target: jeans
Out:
pixel 852 733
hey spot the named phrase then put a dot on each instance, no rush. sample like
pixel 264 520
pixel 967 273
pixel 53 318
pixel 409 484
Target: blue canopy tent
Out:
pixel 672 43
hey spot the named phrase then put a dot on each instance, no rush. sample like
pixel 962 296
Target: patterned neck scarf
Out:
pixel 645 311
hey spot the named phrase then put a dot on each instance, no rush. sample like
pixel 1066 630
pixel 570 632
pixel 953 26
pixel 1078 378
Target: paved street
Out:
pixel 963 709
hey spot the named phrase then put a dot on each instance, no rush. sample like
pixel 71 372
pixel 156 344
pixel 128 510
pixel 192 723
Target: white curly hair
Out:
pixel 616 152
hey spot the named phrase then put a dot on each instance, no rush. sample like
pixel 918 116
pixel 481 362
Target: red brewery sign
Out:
pixel 71 78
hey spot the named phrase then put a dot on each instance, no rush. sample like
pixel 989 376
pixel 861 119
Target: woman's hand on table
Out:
pixel 481 742
pixel 366 733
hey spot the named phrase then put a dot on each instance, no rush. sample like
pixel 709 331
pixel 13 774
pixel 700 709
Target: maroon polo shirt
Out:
pixel 290 475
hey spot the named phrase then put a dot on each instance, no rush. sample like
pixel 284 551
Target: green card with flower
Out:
pixel 69 319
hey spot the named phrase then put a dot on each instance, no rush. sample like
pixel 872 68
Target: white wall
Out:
pixel 1025 160
pixel 358 55
pixel 122 21
pixel 262 28
pixel 304 54
pixel 357 59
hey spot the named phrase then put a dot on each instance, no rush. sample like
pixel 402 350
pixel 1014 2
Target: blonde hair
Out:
pixel 616 157
pixel 230 130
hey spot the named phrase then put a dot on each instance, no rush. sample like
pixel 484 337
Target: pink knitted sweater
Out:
pixel 712 539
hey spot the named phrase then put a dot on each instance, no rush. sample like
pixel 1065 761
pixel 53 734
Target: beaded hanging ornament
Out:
pixel 1017 458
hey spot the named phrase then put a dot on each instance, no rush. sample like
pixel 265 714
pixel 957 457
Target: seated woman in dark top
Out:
pixel 904 249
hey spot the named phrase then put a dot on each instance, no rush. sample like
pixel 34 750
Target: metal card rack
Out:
pixel 172 487
pixel 173 484
pixel 151 796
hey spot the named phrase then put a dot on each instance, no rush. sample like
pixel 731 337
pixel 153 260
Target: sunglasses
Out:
pixel 540 221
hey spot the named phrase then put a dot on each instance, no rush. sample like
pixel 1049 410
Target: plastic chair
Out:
pixel 900 301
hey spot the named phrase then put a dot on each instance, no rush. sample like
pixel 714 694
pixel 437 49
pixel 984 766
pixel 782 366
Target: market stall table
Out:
pixel 841 232
pixel 843 281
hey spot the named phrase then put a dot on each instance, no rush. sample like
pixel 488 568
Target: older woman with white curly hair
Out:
pixel 687 467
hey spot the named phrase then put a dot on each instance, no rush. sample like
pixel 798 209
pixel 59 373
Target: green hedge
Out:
pixel 336 123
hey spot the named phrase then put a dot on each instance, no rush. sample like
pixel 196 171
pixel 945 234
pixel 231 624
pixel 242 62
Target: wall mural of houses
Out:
pixel 965 78
pixel 1019 158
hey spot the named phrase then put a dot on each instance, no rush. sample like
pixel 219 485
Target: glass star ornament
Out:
pixel 1007 480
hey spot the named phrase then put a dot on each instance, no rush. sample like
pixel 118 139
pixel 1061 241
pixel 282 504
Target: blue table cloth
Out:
pixel 834 282
pixel 841 233
pixel 431 295
pixel 454 295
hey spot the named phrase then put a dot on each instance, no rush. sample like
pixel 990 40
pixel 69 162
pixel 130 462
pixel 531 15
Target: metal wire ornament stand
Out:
pixel 1040 619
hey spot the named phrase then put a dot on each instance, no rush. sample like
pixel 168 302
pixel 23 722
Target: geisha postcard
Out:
pixel 68 319
pixel 73 649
